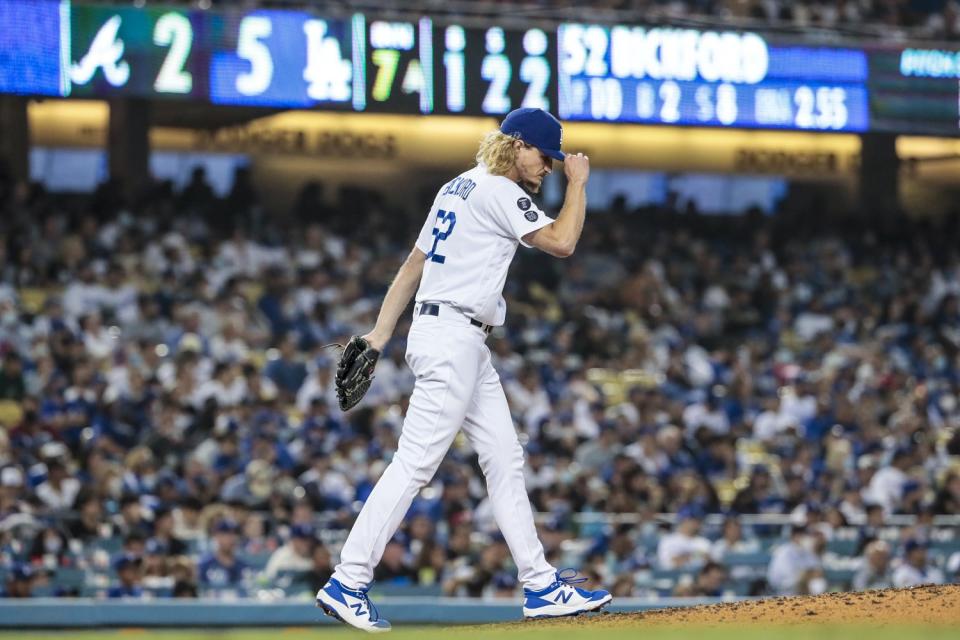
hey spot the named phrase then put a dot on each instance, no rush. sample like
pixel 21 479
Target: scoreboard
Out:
pixel 493 70
pixel 363 62
pixel 916 90
pixel 296 59
pixel 684 76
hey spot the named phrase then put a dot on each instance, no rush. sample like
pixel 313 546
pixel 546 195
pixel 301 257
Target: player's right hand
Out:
pixel 576 166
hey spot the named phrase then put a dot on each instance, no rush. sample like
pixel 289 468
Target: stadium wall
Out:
pixel 89 613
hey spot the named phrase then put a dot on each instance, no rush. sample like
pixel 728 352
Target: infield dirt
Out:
pixel 926 605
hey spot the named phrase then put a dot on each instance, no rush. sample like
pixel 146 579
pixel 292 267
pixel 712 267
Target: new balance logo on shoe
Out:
pixel 361 613
pixel 562 598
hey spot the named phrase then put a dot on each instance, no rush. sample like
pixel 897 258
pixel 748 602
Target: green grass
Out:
pixel 517 632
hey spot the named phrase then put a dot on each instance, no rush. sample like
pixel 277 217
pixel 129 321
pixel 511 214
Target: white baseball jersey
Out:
pixel 470 238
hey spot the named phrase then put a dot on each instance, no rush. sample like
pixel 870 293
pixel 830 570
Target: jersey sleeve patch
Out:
pixel 512 210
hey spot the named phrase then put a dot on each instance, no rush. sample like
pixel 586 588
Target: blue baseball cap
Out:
pixel 913 544
pixel 226 526
pixel 689 512
pixel 504 580
pixel 126 560
pixel 155 547
pixel 537 128
pixel 22 572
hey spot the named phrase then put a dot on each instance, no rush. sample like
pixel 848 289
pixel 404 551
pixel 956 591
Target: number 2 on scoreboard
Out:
pixel 175 31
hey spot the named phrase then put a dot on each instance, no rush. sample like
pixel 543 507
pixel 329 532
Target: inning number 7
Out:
pixel 442 229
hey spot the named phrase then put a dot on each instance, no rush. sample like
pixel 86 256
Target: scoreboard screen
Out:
pixel 128 51
pixel 416 64
pixel 397 66
pixel 30 46
pixel 916 90
pixel 265 58
pixel 280 58
pixel 708 78
pixel 493 70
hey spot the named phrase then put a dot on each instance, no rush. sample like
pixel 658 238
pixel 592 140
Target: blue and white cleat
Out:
pixel 563 599
pixel 351 606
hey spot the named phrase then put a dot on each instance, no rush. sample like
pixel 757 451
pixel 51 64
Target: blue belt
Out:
pixel 431 309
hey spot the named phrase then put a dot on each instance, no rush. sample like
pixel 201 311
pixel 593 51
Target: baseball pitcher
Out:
pixel 458 268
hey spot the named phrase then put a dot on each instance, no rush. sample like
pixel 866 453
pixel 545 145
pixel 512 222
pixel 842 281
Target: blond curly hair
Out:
pixel 497 152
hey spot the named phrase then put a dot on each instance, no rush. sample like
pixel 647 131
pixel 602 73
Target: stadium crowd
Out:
pixel 931 18
pixel 168 425
pixel 893 19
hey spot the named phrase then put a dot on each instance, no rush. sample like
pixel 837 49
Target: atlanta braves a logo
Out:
pixel 106 52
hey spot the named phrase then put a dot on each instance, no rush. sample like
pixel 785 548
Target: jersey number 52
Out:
pixel 442 229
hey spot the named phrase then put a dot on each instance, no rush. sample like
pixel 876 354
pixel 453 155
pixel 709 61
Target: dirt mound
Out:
pixel 929 605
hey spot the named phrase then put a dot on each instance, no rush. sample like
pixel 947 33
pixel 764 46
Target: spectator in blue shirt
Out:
pixel 20 582
pixel 287 371
pixel 221 572
pixel 129 571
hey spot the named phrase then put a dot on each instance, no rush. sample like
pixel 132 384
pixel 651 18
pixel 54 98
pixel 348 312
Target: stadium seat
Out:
pixel 758 559
pixel 256 561
pixel 407 590
pixel 843 547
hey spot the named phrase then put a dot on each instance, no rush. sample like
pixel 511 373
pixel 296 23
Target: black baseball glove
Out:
pixel 355 372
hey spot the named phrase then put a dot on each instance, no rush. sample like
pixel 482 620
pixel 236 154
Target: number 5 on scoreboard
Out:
pixel 250 48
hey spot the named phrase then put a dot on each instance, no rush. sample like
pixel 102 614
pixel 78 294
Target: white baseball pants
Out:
pixel 456 387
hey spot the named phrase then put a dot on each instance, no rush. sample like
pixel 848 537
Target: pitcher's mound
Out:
pixel 927 605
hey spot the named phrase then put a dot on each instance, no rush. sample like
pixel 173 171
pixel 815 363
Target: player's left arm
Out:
pixel 398 296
